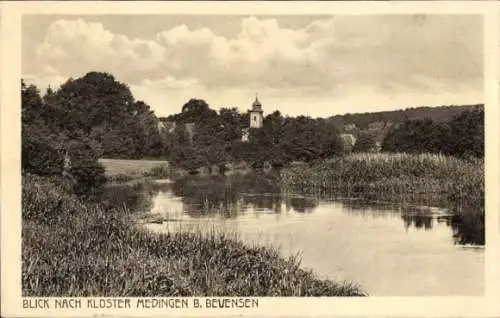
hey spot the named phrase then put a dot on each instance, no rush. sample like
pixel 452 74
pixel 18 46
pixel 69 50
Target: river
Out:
pixel 389 249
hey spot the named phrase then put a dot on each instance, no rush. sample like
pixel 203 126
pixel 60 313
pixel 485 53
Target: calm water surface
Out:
pixel 388 250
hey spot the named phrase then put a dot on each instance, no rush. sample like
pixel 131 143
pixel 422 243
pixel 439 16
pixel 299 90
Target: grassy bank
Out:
pixel 116 166
pixel 424 179
pixel 120 170
pixel 72 248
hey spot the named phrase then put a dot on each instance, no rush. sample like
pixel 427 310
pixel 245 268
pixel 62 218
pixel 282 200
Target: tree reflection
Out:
pixel 417 221
pixel 228 197
pixel 468 229
pixel 269 202
pixel 467 226
pixel 303 205
pixel 135 198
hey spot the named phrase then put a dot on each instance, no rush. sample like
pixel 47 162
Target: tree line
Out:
pixel 462 136
pixel 441 114
pixel 217 138
pixel 66 130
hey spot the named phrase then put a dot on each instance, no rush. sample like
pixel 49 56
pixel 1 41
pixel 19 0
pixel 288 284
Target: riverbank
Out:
pixel 422 179
pixel 72 248
pixel 123 170
pixel 426 177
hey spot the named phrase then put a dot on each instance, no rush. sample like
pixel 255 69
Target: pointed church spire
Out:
pixel 256 104
pixel 256 117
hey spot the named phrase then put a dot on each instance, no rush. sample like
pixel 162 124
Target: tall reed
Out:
pixel 71 248
pixel 422 177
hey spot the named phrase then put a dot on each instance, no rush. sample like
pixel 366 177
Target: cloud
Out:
pixel 77 46
pixel 335 58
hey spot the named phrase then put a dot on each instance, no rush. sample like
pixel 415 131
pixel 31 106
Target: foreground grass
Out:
pixel 76 249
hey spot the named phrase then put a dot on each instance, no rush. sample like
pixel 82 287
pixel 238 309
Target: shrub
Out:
pixel 418 136
pixel 467 132
pixel 39 157
pixel 364 143
pixel 162 171
pixel 120 177
pixel 85 171
pixel 463 136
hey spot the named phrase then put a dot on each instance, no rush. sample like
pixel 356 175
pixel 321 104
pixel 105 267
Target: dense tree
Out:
pixel 462 136
pixel 233 123
pixel 103 109
pixel 417 136
pixel 181 152
pixel 285 139
pixel 365 142
pixel 40 153
pixel 31 103
pixel 83 168
pixel 49 148
pixel 194 111
pixel 40 157
pixel 467 134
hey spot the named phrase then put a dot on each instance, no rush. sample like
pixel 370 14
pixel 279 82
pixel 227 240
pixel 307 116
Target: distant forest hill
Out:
pixel 363 121
pixel 439 114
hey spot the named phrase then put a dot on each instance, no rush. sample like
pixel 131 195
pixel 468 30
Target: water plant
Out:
pixel 424 179
pixel 388 174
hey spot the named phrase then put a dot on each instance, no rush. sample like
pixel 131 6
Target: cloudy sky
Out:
pixel 310 65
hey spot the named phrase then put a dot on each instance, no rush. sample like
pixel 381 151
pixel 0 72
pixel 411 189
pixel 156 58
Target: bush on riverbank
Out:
pixel 161 172
pixel 76 249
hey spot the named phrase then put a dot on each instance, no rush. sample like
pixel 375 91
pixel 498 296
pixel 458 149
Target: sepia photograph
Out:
pixel 238 156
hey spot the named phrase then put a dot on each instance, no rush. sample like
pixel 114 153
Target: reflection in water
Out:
pixel 468 229
pixel 228 197
pixel 390 249
pixel 137 197
pixel 302 205
pixel 418 221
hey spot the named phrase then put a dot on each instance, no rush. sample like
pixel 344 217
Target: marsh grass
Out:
pixel 70 248
pixel 423 179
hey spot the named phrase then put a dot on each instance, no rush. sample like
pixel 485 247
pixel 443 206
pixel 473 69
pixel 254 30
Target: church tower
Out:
pixel 256 114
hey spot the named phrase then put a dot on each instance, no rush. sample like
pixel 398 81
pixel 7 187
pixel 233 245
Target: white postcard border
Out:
pixel 371 306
